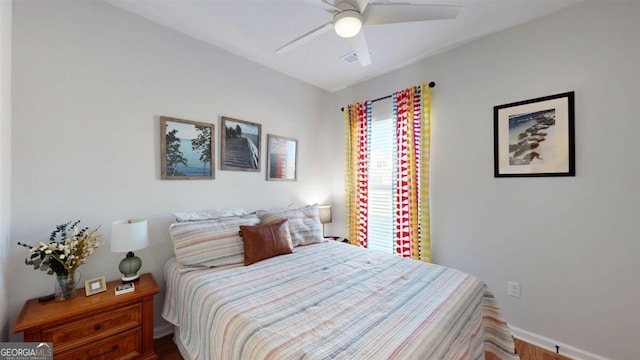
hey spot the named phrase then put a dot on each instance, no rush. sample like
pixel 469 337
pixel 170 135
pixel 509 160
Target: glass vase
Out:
pixel 65 286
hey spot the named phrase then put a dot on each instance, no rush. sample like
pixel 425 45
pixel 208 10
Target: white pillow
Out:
pixel 186 216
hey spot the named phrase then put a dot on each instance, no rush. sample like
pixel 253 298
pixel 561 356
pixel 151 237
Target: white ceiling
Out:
pixel 254 29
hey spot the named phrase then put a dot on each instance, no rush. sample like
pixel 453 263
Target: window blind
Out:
pixel 380 231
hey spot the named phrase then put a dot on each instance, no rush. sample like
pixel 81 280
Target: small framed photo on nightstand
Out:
pixel 95 286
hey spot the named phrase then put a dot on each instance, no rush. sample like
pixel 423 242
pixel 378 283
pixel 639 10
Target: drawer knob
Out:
pixel 113 349
pixel 97 327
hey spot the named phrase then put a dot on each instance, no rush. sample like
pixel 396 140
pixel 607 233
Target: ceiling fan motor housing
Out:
pixel 348 22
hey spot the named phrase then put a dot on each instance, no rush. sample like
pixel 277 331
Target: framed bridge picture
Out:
pixel 240 145
pixel 535 137
pixel 186 149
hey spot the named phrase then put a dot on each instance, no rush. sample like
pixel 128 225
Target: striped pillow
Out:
pixel 211 242
pixel 304 223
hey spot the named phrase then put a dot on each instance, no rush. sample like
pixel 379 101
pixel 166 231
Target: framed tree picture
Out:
pixel 186 149
pixel 282 158
pixel 535 137
pixel 240 145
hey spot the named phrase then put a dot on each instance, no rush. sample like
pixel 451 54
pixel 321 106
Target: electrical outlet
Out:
pixel 513 289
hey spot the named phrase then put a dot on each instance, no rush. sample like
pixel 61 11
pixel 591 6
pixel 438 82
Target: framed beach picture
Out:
pixel 240 145
pixel 282 158
pixel 186 149
pixel 535 137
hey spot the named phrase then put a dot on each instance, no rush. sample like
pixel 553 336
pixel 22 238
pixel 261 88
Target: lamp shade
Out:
pixel 129 235
pixel 324 213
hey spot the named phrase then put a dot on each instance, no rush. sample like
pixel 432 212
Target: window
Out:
pixel 380 178
pixel 387 174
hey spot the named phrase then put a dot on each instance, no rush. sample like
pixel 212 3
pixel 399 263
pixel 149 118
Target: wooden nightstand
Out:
pixel 101 326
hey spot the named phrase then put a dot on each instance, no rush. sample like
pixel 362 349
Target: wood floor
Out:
pixel 167 350
pixel 528 351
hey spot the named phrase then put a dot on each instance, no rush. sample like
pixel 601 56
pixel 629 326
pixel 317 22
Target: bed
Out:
pixel 324 300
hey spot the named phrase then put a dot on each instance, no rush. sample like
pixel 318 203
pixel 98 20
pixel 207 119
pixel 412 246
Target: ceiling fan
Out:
pixel 349 16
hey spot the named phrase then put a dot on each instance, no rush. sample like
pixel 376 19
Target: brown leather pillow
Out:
pixel 265 241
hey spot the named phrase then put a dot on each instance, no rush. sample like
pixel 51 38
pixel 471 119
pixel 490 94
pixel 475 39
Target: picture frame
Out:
pixel 240 145
pixel 187 149
pixel 282 158
pixel 535 137
pixel 95 286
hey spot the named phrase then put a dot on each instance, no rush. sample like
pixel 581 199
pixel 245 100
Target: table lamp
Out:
pixel 128 236
pixel 324 213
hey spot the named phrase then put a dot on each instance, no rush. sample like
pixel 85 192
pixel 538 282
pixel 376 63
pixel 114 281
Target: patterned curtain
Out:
pixel 411 116
pixel 358 125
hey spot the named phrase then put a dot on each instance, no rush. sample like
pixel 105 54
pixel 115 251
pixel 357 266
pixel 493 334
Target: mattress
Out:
pixel 334 301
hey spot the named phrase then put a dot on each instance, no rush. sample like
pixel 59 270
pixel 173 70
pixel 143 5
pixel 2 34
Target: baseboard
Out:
pixel 550 344
pixel 162 331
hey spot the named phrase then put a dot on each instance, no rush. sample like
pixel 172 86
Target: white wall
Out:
pixel 90 84
pixel 571 242
pixel 5 159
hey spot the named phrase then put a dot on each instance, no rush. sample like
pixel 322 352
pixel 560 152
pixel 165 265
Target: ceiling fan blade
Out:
pixel 325 5
pixel 389 13
pixel 361 5
pixel 359 45
pixel 304 38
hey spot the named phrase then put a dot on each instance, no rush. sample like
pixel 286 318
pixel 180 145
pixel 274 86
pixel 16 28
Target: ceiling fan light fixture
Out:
pixel 347 23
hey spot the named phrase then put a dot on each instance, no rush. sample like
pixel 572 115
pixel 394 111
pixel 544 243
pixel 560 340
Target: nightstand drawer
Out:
pixel 94 327
pixel 123 346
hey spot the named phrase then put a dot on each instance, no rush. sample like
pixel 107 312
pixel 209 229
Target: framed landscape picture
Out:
pixel 535 137
pixel 282 158
pixel 186 149
pixel 240 145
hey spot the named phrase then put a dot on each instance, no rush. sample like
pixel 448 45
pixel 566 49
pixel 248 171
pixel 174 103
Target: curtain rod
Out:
pixel 431 85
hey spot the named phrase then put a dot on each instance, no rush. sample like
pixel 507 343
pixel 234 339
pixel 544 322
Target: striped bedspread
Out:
pixel 334 301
